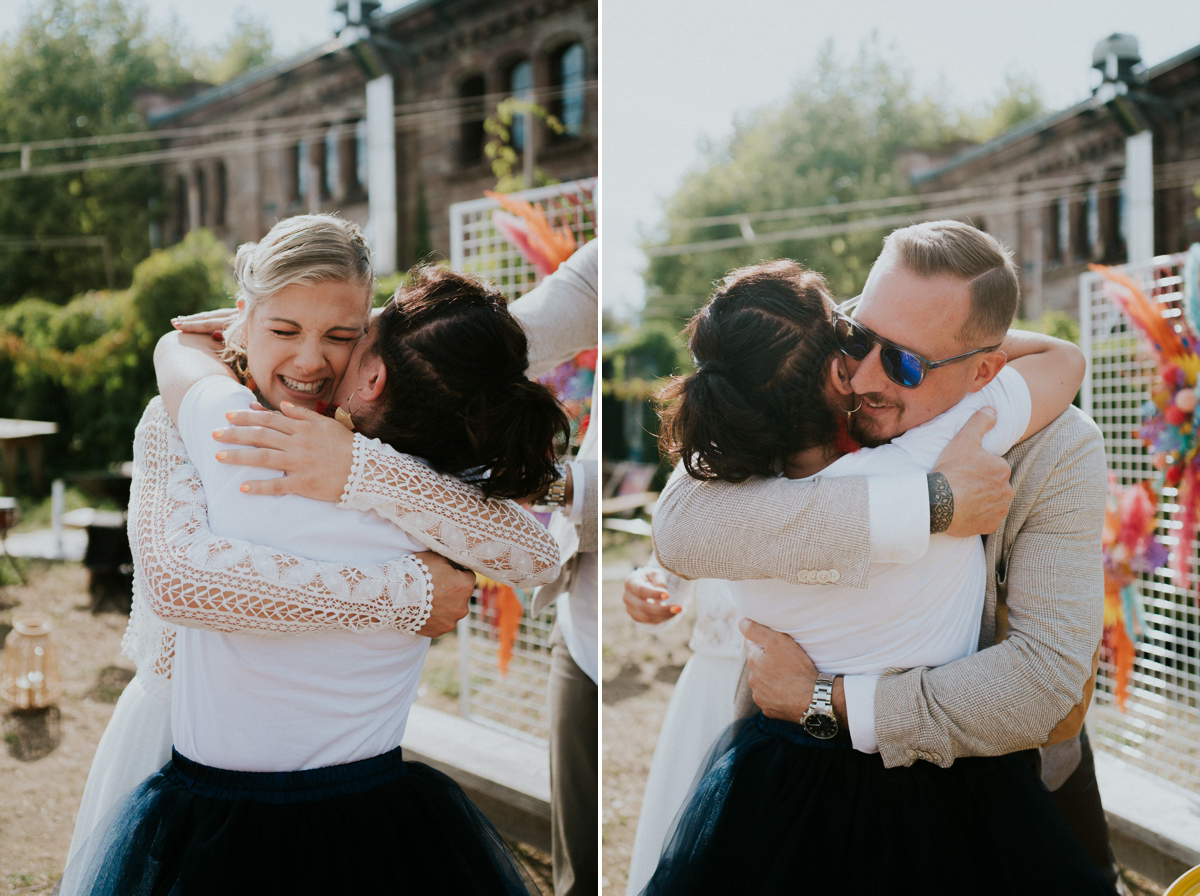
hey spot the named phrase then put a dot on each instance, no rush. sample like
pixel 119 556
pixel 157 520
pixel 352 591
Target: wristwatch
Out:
pixel 556 494
pixel 820 721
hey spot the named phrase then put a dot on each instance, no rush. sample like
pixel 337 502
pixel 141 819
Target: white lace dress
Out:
pixel 701 707
pixel 186 575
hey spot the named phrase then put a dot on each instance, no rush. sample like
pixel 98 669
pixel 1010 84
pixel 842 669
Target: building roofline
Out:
pixel 271 70
pixel 1037 125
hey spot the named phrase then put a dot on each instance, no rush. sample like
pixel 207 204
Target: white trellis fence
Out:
pixel 1159 730
pixel 477 247
pixel 514 701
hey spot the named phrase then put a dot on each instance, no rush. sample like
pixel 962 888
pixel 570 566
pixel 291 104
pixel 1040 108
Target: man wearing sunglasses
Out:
pixel 919 339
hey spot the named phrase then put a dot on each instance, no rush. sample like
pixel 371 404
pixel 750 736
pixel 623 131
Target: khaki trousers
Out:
pixel 574 770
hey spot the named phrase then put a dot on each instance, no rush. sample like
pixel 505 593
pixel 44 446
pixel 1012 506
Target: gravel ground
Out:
pixel 46 755
pixel 640 667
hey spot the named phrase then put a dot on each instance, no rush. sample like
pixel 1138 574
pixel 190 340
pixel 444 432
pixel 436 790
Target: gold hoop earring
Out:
pixel 850 413
pixel 344 416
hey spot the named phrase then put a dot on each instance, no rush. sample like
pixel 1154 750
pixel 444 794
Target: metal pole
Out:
pixel 1139 196
pixel 528 155
pixel 381 173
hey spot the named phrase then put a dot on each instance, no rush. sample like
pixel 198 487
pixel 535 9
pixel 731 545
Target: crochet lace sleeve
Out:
pixel 491 535
pixel 191 577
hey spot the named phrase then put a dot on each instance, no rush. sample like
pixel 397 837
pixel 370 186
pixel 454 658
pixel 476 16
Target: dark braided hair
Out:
pixel 762 347
pixel 455 393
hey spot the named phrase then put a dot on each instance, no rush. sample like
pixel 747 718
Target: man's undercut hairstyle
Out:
pixel 456 394
pixel 951 248
pixel 308 249
pixel 762 347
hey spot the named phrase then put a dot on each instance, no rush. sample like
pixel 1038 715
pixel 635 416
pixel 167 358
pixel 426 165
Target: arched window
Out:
pixel 471 136
pixel 222 196
pixel 520 85
pixel 332 165
pixel 360 153
pixel 180 224
pixel 300 171
pixel 202 196
pixel 567 74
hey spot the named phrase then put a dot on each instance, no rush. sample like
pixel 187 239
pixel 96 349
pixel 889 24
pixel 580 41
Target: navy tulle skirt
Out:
pixel 780 812
pixel 381 825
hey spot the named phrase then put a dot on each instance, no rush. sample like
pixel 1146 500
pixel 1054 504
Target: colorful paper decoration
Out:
pixel 1130 547
pixel 1171 417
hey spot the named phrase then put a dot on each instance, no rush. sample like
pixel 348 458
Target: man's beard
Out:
pixel 859 431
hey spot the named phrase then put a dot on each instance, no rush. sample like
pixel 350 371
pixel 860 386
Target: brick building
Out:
pixel 290 137
pixel 1052 189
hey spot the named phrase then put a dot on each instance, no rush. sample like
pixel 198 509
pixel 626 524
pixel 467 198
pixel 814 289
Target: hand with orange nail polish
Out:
pixel 646 597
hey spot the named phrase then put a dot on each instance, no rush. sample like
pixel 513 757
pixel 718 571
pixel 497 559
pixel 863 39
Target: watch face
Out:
pixel 821 726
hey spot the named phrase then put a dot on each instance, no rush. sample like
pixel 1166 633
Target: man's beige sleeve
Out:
pixel 1033 686
pixel 803 531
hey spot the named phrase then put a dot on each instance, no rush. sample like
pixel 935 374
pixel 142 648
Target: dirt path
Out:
pixel 46 756
pixel 640 667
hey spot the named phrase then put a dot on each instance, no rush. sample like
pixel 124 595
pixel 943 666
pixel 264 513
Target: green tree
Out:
pixel 1018 102
pixel 247 45
pixel 75 69
pixel 88 364
pixel 833 141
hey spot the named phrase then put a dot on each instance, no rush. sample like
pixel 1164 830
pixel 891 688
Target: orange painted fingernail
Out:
pixel 244 487
pixel 676 609
pixel 217 433
pixel 229 415
pixel 221 455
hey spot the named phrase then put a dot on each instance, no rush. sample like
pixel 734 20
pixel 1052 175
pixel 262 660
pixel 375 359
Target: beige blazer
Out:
pixel 1030 683
pixel 562 318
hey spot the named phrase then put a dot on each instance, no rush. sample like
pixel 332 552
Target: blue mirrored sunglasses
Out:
pixel 903 367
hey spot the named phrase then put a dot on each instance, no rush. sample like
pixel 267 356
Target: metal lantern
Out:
pixel 29 677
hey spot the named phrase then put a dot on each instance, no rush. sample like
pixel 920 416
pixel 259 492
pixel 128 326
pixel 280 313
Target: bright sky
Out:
pixel 295 24
pixel 674 70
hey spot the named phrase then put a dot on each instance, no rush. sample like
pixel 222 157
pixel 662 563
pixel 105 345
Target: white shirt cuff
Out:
pixel 860 711
pixel 899 516
pixel 579 486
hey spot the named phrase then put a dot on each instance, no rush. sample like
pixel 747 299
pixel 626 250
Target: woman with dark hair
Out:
pixel 786 808
pixel 450 366
pixel 286 773
pixel 763 347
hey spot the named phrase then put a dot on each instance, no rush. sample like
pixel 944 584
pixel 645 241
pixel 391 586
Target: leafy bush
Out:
pixel 88 366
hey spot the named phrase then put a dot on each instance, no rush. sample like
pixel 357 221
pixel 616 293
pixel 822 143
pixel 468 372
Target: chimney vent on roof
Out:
pixel 1117 58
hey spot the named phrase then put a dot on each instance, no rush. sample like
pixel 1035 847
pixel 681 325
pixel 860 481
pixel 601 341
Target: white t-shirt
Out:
pixel 925 613
pixel 253 702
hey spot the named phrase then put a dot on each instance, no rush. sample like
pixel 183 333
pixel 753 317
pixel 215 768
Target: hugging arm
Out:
pixel 322 460
pixel 492 535
pixel 191 577
pixel 1032 687
pixel 795 529
pixel 1053 369
pixel 766 528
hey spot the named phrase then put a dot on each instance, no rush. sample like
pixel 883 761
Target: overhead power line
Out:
pixel 252 134
pixel 929 207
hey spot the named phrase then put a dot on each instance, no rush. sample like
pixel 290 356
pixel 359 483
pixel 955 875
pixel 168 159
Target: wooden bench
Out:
pixel 506 776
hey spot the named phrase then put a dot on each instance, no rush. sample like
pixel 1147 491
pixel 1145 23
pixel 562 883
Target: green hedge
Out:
pixel 88 365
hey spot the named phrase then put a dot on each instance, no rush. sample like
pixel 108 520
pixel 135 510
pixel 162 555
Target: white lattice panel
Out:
pixel 1159 730
pixel 516 701
pixel 477 247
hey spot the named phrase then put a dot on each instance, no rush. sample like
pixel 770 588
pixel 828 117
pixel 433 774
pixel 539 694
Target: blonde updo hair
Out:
pixel 306 249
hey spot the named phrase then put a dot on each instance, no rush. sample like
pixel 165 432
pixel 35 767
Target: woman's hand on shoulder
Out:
pixel 315 453
pixel 205 322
